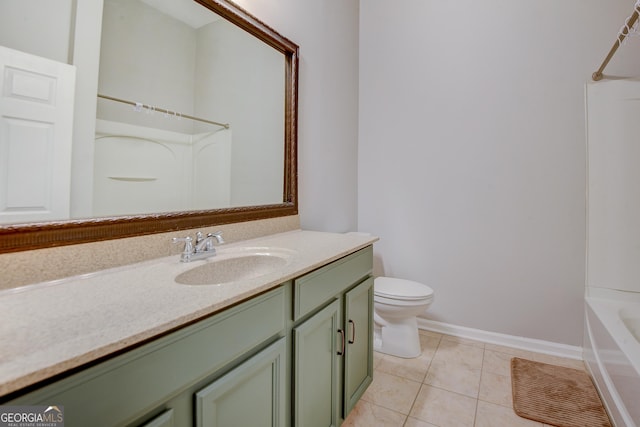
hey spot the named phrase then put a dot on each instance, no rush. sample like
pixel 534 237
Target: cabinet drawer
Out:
pixel 126 387
pixel 315 288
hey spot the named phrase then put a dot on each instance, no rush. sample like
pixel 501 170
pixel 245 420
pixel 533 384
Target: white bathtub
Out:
pixel 612 351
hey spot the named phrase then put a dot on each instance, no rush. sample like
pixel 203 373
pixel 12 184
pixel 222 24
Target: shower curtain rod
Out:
pixel 621 36
pixel 162 110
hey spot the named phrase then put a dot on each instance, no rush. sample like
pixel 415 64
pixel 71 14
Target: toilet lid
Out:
pixel 401 289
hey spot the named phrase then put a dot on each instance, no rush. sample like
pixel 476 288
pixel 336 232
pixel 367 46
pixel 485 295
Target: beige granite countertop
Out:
pixel 52 327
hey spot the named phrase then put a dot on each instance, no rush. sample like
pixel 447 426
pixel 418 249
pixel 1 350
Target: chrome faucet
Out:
pixel 203 247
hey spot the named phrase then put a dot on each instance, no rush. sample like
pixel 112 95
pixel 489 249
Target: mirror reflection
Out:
pixel 190 116
pixel 175 59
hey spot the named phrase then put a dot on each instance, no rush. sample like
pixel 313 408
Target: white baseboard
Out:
pixel 530 344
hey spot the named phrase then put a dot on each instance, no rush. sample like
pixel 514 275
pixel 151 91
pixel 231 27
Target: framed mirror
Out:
pixel 206 114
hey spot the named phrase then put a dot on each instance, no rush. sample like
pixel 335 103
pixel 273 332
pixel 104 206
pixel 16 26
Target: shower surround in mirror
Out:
pixel 187 171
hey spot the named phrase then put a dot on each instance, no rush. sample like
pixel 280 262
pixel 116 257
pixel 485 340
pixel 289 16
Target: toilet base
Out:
pixel 400 339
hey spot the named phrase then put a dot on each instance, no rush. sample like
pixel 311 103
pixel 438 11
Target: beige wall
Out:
pixel 472 153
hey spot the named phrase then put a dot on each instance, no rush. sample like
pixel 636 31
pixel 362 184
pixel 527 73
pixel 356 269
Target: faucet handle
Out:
pixel 188 245
pixel 187 240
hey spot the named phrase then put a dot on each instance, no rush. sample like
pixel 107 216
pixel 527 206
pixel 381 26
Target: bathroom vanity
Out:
pixel 133 347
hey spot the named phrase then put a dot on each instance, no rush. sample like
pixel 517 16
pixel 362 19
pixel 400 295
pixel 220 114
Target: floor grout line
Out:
pixel 490 370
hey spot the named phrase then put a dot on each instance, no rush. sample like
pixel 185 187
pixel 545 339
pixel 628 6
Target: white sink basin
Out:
pixel 233 266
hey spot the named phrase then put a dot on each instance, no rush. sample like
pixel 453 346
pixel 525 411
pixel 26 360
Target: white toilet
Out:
pixel 397 302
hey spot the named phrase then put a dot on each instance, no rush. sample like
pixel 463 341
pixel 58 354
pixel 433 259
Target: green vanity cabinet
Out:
pixel 333 344
pixel 297 355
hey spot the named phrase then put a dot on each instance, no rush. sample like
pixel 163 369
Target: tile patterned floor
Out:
pixel 455 382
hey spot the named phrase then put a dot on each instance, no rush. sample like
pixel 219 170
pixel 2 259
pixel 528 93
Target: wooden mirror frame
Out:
pixel 29 236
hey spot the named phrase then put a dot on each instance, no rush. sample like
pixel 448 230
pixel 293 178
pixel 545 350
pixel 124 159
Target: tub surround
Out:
pixel 612 352
pixel 25 268
pixel 612 299
pixel 64 324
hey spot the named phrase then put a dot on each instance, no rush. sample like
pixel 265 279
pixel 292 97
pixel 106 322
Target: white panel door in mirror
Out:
pixel 36 123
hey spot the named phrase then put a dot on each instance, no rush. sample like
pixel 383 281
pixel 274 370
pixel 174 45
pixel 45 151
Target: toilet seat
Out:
pixel 400 289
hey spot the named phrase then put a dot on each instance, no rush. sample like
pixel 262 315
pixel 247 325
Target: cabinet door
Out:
pixel 163 420
pixel 358 365
pixel 317 344
pixel 253 394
